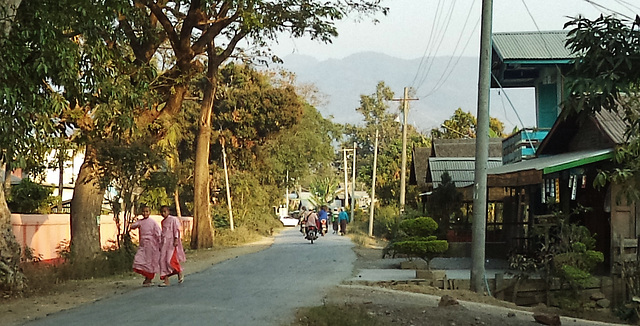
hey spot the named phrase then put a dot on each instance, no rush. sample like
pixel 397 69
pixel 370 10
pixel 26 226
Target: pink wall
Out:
pixel 43 233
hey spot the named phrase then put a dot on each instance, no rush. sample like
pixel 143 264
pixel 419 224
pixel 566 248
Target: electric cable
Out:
pixel 446 73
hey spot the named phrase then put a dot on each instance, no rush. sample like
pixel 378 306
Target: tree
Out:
pixel 606 76
pixel 463 125
pixel 445 202
pixel 28 104
pixel 214 29
pixel 377 114
pixel 415 239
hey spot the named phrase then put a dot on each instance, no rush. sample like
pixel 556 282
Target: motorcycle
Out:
pixel 324 228
pixel 312 234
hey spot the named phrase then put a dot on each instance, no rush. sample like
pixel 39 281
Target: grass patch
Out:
pixel 334 315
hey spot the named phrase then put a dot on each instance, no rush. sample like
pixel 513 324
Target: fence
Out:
pixel 43 233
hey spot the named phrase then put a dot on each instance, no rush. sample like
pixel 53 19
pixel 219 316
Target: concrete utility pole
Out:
pixel 482 153
pixel 353 182
pixel 226 180
pixel 346 178
pixel 403 174
pixel 373 185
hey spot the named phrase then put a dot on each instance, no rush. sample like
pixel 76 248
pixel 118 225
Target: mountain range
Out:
pixel 442 85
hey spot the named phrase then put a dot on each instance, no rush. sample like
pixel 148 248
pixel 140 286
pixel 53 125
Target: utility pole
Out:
pixel 403 174
pixel 373 185
pixel 353 182
pixel 482 153
pixel 226 180
pixel 346 177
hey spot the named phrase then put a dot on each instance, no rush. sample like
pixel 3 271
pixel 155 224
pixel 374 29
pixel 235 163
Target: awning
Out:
pixel 531 171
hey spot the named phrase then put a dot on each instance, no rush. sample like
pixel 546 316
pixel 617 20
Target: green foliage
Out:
pixel 463 125
pixel 421 226
pixel 378 114
pixel 605 76
pixel 445 202
pixel 567 253
pixel 30 197
pixel 415 239
pixel 385 221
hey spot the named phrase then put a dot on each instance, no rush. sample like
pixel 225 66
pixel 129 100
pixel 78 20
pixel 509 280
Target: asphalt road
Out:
pixel 264 288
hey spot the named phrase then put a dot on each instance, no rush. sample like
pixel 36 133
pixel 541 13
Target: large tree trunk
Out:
pixel 202 234
pixel 86 206
pixel 11 279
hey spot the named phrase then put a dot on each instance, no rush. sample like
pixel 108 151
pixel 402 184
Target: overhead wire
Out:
pixel 448 70
pixel 429 40
pixel 440 41
pixel 443 79
pixel 601 7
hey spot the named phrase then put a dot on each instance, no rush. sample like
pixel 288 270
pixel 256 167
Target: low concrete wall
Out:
pixel 43 233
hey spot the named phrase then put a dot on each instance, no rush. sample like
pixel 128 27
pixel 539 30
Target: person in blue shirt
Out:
pixel 343 217
pixel 323 217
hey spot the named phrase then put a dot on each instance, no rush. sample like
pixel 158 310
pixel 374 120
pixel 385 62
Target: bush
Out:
pixel 421 226
pixel 29 197
pixel 416 239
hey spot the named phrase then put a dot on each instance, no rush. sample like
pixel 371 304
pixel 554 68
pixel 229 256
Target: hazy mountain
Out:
pixel 443 85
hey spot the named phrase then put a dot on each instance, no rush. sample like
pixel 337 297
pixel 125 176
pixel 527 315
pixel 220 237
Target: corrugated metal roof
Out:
pixel 461 169
pixel 545 45
pixel 612 124
pixel 463 147
pixel 552 161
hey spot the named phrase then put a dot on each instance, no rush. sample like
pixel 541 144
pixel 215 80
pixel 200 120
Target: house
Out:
pixel 531 59
pixel 562 176
pixel 455 157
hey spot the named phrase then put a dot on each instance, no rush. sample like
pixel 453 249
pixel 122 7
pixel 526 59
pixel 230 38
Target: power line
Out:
pixel 448 70
pixel 599 6
pixel 442 37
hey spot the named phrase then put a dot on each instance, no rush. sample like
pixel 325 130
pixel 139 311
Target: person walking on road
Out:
pixel 334 220
pixel 147 257
pixel 171 251
pixel 343 217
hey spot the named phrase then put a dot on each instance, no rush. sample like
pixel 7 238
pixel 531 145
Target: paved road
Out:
pixel 264 288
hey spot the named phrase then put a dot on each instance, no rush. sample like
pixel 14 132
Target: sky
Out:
pixel 412 28
pixel 420 29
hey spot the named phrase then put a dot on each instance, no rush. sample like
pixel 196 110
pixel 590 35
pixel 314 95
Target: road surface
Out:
pixel 263 288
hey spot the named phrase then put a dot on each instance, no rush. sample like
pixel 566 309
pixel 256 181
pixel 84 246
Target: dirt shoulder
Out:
pixel 70 294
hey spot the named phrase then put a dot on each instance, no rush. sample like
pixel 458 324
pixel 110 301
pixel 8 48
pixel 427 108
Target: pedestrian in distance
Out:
pixel 343 217
pixel 171 251
pixel 334 220
pixel 146 260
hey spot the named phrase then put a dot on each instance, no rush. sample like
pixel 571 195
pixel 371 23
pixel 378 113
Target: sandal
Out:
pixel 162 285
pixel 180 277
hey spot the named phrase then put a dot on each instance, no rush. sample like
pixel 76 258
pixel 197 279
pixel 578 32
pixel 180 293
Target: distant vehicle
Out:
pixel 285 218
pixel 289 221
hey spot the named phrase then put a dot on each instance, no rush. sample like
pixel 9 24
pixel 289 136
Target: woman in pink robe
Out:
pixel 171 251
pixel 146 260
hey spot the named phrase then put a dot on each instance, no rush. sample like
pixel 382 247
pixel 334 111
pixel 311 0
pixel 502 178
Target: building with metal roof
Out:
pixel 461 169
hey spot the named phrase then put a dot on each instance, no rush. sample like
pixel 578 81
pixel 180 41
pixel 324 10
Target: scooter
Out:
pixel 312 234
pixel 324 228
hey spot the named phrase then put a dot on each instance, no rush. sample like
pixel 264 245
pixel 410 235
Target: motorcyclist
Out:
pixel 312 220
pixel 323 215
pixel 303 219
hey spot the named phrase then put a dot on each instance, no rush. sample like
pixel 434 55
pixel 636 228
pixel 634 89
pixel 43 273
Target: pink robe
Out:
pixel 148 253
pixel 170 255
